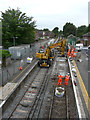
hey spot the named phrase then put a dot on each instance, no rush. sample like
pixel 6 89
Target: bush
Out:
pixel 39 39
pixel 4 53
pixel 45 37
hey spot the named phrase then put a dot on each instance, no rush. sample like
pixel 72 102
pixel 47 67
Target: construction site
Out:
pixel 46 87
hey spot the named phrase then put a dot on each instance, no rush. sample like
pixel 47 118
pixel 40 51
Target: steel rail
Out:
pixel 23 95
pixel 43 90
pixel 35 99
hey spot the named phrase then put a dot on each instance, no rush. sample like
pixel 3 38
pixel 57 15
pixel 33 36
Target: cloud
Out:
pixel 49 13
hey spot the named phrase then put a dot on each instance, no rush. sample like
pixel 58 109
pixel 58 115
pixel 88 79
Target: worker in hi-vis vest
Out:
pixel 60 80
pixel 67 79
pixel 69 52
pixel 75 52
pixel 72 53
pixel 20 68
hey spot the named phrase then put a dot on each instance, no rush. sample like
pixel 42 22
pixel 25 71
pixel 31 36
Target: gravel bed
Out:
pixel 62 107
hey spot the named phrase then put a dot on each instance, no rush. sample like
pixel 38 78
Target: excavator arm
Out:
pixel 47 55
pixel 48 50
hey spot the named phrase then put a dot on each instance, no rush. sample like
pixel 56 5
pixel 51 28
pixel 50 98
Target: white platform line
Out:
pixel 77 102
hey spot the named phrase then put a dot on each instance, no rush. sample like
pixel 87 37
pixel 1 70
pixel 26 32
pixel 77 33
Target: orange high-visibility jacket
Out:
pixel 69 52
pixel 67 78
pixel 60 80
pixel 60 76
pixel 72 52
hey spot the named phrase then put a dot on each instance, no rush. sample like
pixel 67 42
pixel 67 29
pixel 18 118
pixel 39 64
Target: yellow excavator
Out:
pixel 45 59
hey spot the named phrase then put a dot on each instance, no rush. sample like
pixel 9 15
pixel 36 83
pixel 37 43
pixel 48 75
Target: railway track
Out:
pixel 36 109
pixel 29 96
pixel 36 98
pixel 60 107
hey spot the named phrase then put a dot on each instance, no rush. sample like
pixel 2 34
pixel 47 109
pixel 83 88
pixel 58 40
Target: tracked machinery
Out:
pixel 45 59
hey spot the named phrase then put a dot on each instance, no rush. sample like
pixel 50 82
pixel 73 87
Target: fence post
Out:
pixel 7 74
pixel 2 76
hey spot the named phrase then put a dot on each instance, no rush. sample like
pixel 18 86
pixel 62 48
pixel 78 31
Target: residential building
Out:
pixel 40 34
pixel 86 39
pixel 72 39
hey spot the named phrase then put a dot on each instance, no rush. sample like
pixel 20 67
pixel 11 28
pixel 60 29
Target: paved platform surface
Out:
pixel 6 90
pixel 82 82
pixel 79 104
pixel 83 69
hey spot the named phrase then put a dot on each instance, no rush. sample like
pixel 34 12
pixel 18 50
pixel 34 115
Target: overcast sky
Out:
pixel 51 13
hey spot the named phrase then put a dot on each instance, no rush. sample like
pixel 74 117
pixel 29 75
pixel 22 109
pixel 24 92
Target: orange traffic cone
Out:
pixel 20 68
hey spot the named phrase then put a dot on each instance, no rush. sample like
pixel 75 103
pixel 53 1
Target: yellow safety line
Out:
pixel 82 81
pixel 84 92
pixel 20 73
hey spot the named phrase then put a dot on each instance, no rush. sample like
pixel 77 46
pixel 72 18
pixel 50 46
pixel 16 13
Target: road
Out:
pixel 83 81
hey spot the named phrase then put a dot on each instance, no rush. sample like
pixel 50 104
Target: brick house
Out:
pixel 42 34
pixel 86 39
pixel 38 34
pixel 51 34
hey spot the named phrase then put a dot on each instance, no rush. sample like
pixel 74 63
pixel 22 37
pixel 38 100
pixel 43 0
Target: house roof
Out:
pixel 87 34
pixel 71 36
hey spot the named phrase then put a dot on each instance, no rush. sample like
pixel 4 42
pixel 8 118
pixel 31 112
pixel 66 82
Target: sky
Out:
pixel 51 13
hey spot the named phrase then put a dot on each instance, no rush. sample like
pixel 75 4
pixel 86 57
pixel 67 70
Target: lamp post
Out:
pixel 1 72
pixel 1 77
pixel 14 51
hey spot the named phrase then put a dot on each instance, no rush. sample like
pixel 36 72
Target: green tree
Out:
pixel 68 29
pixel 81 30
pixel 17 24
pixel 88 28
pixel 61 33
pixel 46 29
pixel 55 31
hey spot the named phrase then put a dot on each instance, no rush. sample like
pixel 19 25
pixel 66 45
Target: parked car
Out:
pixel 89 47
pixel 79 46
pixel 41 51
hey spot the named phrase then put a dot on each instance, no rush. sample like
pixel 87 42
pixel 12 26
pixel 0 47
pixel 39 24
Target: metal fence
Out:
pixel 8 72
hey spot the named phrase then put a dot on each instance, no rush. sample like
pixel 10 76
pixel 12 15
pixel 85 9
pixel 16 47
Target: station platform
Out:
pixel 6 90
pixel 80 92
pixel 82 89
